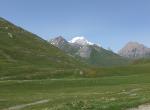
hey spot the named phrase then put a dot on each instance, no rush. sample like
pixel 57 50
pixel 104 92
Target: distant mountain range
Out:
pixel 134 50
pixel 88 52
pixel 94 54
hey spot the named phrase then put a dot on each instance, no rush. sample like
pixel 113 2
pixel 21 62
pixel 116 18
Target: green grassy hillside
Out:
pixel 102 57
pixel 25 55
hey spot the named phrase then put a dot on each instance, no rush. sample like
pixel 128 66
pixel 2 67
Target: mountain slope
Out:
pixel 88 52
pixel 134 50
pixel 23 54
pixel 101 56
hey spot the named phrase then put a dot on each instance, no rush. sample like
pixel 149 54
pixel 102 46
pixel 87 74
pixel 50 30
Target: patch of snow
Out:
pixel 98 44
pixel 81 41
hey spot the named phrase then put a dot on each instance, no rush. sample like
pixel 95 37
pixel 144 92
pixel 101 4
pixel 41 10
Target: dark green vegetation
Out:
pixel 60 82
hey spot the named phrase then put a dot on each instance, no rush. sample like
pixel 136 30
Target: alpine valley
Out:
pixel 36 74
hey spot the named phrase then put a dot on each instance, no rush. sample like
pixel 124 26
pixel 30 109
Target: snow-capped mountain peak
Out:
pixel 81 41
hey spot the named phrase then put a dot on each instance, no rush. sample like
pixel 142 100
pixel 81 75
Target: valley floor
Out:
pixel 107 93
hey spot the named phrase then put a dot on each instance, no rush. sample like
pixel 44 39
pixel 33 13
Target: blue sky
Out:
pixel 112 23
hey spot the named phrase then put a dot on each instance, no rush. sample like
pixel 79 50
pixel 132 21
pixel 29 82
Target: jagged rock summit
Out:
pixel 59 41
pixel 134 50
pixel 79 46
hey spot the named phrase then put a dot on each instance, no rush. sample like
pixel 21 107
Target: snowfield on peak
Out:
pixel 81 41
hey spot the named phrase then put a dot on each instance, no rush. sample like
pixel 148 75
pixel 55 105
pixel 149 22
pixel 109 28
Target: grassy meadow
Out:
pixel 110 92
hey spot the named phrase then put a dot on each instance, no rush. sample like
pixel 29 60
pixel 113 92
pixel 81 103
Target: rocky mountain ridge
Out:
pixel 134 50
pixel 87 51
